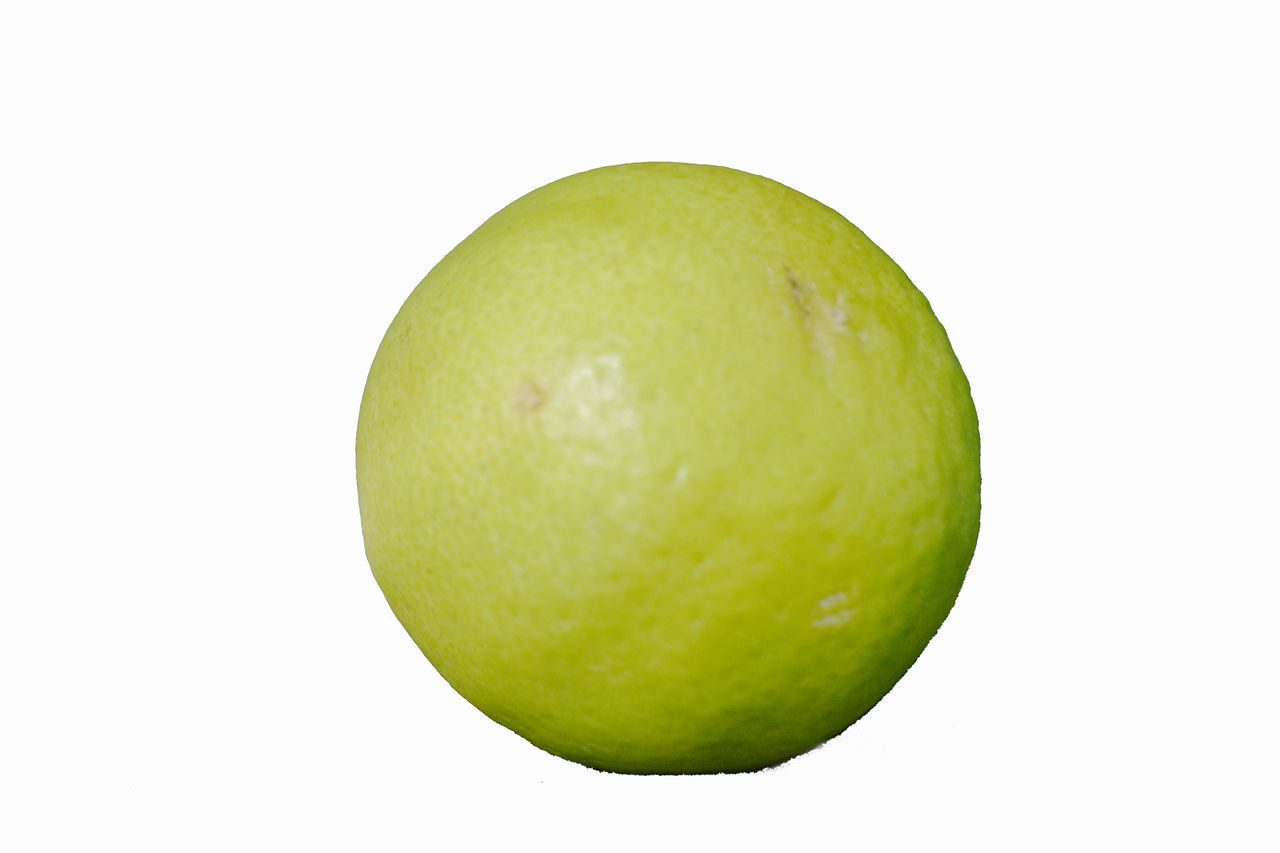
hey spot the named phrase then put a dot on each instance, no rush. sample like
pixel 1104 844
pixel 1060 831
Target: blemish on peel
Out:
pixel 832 611
pixel 798 292
pixel 528 397
pixel 599 398
pixel 833 600
pixel 822 320
pixel 586 400
pixel 834 620
pixel 840 313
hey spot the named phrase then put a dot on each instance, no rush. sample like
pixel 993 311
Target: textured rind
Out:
pixel 668 468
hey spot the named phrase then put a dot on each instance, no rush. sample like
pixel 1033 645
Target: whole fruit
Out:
pixel 669 469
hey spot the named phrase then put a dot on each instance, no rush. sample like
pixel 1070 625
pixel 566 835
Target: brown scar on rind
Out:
pixel 796 291
pixel 821 320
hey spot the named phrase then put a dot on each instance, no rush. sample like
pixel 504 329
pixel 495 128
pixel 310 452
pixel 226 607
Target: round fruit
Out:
pixel 669 469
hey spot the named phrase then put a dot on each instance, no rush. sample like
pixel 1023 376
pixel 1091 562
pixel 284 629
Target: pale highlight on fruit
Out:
pixel 669 469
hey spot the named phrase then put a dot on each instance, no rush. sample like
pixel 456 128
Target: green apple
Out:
pixel 669 469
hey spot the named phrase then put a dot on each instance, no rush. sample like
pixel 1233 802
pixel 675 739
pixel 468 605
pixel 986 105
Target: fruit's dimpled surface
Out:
pixel 668 468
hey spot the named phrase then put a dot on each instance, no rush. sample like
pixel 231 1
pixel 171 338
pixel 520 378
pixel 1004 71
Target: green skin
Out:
pixel 669 469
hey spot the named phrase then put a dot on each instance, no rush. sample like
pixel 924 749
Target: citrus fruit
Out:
pixel 669 469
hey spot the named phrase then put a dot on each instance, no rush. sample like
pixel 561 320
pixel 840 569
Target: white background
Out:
pixel 210 212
